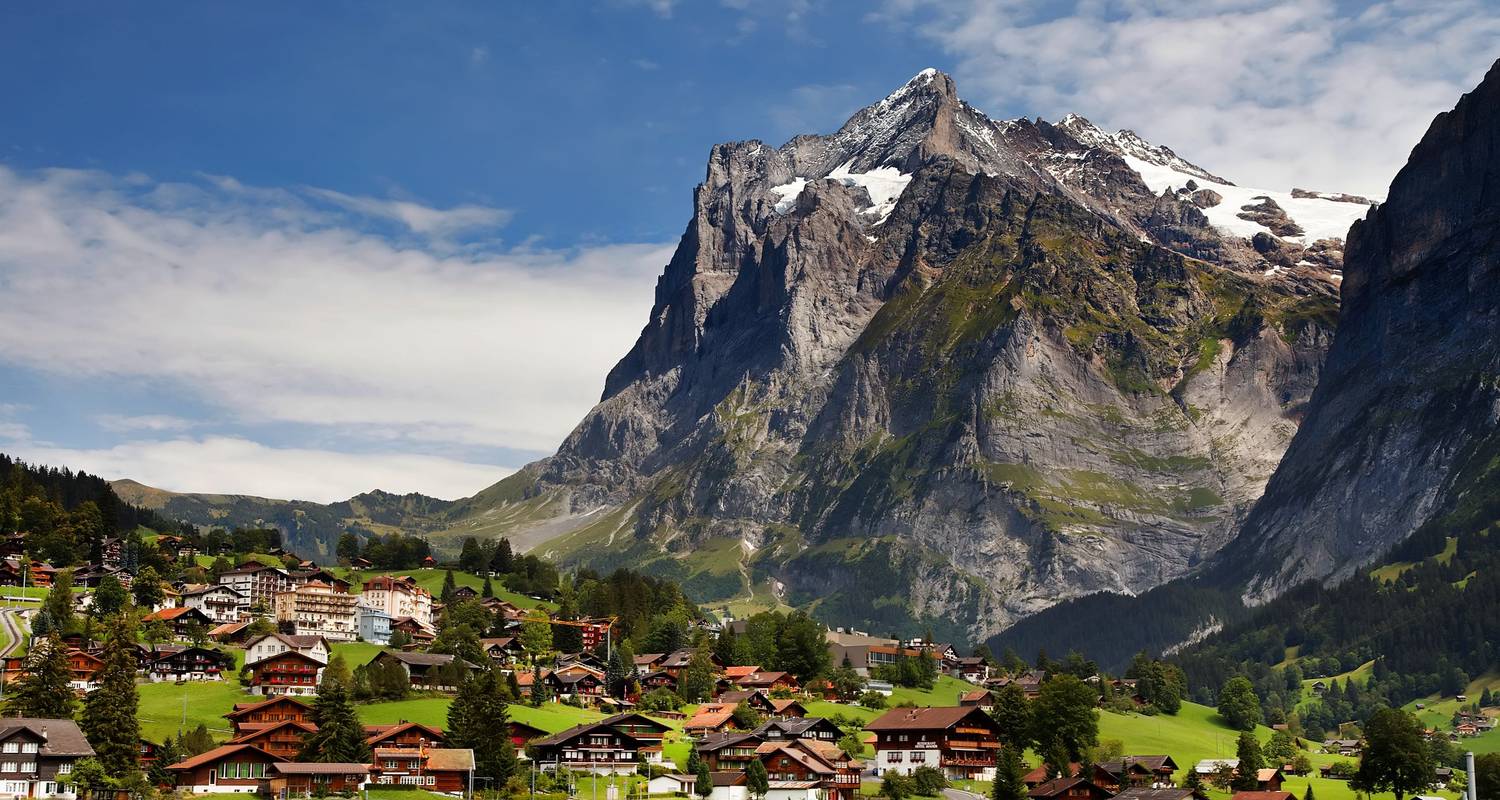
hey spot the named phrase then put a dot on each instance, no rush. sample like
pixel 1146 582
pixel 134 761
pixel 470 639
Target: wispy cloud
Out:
pixel 241 466
pixel 1267 92
pixel 145 422
pixel 479 56
pixel 418 218
pixel 272 310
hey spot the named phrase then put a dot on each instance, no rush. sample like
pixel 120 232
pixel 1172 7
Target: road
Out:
pixel 13 631
pixel 960 794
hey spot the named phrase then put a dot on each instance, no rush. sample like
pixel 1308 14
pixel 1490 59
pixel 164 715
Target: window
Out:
pixel 65 768
pixel 28 766
pixel 8 766
pixel 895 757
pixel 12 747
pixel 918 757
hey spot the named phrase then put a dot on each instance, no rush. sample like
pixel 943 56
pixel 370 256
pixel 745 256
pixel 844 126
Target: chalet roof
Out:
pixel 718 741
pixel 450 759
pixel 413 659
pixel 795 726
pixel 1263 796
pixel 305 642
pixel 241 709
pixel 735 697
pixel 1155 794
pixel 976 696
pixel 761 678
pixel 169 614
pixel 218 754
pixel 783 706
pixel 1267 774
pixel 228 628
pixel 374 733
pixel 323 768
pixel 647 659
pixel 678 658
pixel 308 657
pixel 710 715
pixel 1212 765
pixel 1152 763
pixel 562 737
pixel 207 588
pixel 740 672
pixel 728 777
pixel 256 731
pixel 1057 787
pixel 60 737
pixel 912 719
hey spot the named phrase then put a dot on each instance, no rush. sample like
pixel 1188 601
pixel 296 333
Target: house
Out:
pixel 1319 688
pixel 1145 771
pixel 646 663
pixel 671 784
pixel 399 597
pixel 44 753
pixel 464 593
pixel 615 745
pixel 790 707
pixel 1268 780
pixel 731 750
pixel 228 769
pixel 403 735
pixel 253 716
pixel 960 741
pixel 979 698
pixel 414 630
pixel 755 698
pixel 768 681
pixel 971 669
pixel 306 779
pixel 374 626
pixel 812 728
pixel 307 574
pixel 189 664
pixel 82 667
pixel 710 718
pixel 1043 773
pixel 435 769
pixel 853 649
pixel 288 672
pixel 576 680
pixel 230 633
pixel 522 734
pixel 90 576
pixel 273 643
pixel 809 769
pixel 1074 788
pixel 219 603
pixel 429 671
pixel 1209 767
pixel 282 739
pixel 1343 747
pixel 182 620
pixel 1029 682
pixel 652 681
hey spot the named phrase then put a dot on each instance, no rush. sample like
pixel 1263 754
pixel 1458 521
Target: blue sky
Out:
pixel 305 250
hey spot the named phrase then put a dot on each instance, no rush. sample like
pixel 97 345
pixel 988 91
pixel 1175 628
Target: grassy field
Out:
pixel 944 692
pixel 1437 712
pixel 356 653
pixel 162 706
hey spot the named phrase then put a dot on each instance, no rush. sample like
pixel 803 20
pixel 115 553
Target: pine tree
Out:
pixel 1010 783
pixel 43 691
pixel 340 737
pixel 166 755
pixel 489 588
pixel 703 786
pixel 338 670
pixel 449 587
pixel 1251 762
pixel 109 719
pixel 59 602
pixel 503 562
pixel 538 687
pixel 756 780
pixel 479 719
pixel 567 638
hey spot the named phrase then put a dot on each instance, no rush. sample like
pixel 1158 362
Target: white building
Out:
pixel 273 643
pixel 398 597
pixel 218 602
pixel 259 582
pixel 316 609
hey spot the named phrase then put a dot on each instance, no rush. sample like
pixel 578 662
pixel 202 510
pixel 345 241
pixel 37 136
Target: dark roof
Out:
pixel 716 741
pixel 796 726
pixel 562 737
pixel 419 659
pixel 728 777
pixel 1058 786
pixel 241 709
pixel 911 719
pixel 1155 794
pixel 60 737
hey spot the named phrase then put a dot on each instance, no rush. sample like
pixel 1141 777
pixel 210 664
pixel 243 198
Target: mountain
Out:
pixel 940 370
pixel 310 529
pixel 1398 460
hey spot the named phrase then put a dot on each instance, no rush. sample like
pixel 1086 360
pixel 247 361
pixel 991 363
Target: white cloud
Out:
pixel 277 312
pixel 240 466
pixel 478 56
pixel 1264 92
pixel 418 218
pixel 144 422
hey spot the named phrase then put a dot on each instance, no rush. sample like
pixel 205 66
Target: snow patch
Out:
pixel 787 193
pixel 885 185
pixel 1318 218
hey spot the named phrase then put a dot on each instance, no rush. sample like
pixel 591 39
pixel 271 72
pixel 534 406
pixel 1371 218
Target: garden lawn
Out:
pixel 161 707
pixel 356 654
pixel 432 580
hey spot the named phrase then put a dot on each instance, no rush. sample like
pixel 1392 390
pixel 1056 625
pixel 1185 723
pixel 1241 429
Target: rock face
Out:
pixel 1403 424
pixel 934 369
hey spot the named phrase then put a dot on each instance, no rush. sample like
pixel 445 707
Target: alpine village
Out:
pixel 960 458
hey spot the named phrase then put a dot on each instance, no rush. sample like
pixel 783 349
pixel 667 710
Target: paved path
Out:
pixel 962 794
pixel 13 631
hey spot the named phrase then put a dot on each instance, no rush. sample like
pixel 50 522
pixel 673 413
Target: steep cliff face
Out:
pixel 1403 425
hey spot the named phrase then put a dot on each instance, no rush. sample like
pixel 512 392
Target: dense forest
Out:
pixel 65 515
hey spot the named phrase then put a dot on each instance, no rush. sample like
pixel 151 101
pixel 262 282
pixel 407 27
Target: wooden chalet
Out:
pixel 230 633
pixel 754 698
pixel 180 620
pixel 282 739
pixel 615 745
pixel 288 672
pixel 254 716
pixel 435 769
pixel 404 734
pixel 428 671
pixel 82 667
pixel 710 718
pixel 1142 771
pixel 768 681
pixel 731 750
pixel 1164 793
pixel 503 649
pixel 229 768
pixel 308 779
pixel 189 664
pixel 960 741
pixel 812 728
pixel 522 734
